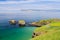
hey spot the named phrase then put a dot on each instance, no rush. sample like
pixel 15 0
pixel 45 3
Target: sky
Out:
pixel 15 6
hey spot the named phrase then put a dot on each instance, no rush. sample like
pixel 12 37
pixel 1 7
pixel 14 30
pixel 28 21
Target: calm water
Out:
pixel 14 32
pixel 24 33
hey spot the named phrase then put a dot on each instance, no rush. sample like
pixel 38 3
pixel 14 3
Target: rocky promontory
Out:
pixel 49 31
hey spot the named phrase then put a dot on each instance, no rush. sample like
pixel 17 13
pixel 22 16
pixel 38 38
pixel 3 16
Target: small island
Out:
pixel 12 22
pixel 21 23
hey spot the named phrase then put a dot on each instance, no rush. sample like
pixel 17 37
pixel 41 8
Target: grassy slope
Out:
pixel 53 32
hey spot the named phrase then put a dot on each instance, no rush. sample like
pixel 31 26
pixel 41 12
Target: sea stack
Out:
pixel 21 23
pixel 12 22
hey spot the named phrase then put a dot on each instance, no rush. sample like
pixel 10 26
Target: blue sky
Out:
pixel 14 6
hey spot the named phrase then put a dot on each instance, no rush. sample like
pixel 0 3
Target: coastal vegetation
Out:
pixel 44 22
pixel 49 31
pixel 36 24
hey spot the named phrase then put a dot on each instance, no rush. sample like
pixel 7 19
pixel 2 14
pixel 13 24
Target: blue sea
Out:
pixel 15 32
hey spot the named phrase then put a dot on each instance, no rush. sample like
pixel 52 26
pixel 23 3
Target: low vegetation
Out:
pixel 44 22
pixel 49 31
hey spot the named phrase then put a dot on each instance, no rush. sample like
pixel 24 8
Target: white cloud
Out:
pixel 9 8
pixel 26 1
pixel 30 6
pixel 47 0
pixel 15 2
pixel 30 0
pixel 16 6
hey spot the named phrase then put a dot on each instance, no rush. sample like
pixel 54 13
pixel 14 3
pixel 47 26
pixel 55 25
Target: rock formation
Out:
pixel 21 23
pixel 13 22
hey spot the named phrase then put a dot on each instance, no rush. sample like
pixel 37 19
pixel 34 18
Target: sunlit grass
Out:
pixel 52 32
pixel 55 24
pixel 53 35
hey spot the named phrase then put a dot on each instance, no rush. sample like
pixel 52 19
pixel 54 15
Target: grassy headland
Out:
pixel 44 22
pixel 50 31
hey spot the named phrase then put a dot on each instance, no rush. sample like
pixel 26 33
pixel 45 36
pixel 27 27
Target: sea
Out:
pixel 16 32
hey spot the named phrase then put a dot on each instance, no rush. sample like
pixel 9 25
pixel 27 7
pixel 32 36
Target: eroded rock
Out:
pixel 21 23
pixel 38 33
pixel 13 22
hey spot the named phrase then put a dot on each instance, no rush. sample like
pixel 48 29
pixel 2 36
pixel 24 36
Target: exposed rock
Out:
pixel 13 22
pixel 40 23
pixel 38 33
pixel 21 23
pixel 35 24
pixel 34 35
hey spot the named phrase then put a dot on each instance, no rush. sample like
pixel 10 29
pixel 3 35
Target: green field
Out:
pixel 48 32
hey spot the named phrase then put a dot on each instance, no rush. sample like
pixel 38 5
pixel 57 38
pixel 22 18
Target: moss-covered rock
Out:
pixel 21 23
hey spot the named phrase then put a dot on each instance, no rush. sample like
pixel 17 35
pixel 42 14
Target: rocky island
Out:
pixel 21 23
pixel 12 22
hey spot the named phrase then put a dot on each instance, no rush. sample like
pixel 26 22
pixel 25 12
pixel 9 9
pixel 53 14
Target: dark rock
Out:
pixel 32 36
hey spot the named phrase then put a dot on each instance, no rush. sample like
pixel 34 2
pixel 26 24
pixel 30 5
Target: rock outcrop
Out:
pixel 38 33
pixel 21 23
pixel 35 24
pixel 12 22
pixel 40 23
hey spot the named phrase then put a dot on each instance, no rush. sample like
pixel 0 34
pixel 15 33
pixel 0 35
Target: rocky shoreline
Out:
pixel 36 24
pixel 44 23
pixel 41 25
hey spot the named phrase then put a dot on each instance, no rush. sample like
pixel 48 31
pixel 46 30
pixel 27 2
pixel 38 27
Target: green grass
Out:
pixel 55 24
pixel 53 35
pixel 52 32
